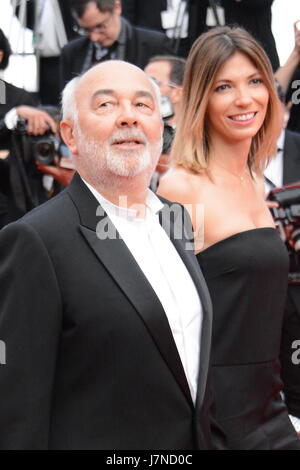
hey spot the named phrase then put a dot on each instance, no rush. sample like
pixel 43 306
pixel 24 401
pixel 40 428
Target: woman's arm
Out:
pixel 285 73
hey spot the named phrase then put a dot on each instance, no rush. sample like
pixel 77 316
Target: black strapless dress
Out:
pixel 246 274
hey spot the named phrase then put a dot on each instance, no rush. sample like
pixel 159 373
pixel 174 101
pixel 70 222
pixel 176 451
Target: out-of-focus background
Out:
pixel 22 69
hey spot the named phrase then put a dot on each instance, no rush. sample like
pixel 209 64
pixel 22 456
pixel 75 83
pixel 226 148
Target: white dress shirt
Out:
pixel 167 274
pixel 274 170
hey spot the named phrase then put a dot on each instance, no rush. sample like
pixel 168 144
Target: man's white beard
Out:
pixel 128 163
pixel 103 160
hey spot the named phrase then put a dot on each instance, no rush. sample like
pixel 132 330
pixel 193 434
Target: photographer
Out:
pixel 168 72
pixel 19 104
pixel 284 169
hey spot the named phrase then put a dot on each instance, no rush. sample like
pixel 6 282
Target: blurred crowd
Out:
pixel 158 37
pixel 74 35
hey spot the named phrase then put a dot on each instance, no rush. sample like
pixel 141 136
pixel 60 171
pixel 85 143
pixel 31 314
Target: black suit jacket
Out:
pixel 146 14
pixel 291 326
pixel 291 157
pixel 91 360
pixel 141 45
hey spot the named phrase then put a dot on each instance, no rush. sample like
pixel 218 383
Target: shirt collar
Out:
pixel 280 140
pixel 122 36
pixel 153 204
pixel 121 39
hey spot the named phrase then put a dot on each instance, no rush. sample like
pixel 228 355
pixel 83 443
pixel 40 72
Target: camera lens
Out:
pixel 295 235
pixel 168 136
pixel 44 152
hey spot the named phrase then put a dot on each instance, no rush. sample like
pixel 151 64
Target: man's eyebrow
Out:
pixel 105 91
pixel 144 94
pixel 108 91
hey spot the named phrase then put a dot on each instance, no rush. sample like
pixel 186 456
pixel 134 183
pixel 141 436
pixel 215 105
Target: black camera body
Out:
pixel 168 136
pixel 167 113
pixel 287 221
pixel 41 148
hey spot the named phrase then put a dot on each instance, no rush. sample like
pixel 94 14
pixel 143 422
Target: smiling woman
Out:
pixel 238 104
pixel 226 133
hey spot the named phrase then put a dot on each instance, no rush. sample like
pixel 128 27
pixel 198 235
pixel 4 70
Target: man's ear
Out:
pixel 176 94
pixel 67 134
pixel 118 7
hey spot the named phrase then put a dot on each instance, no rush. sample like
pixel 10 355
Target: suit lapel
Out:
pixel 291 160
pixel 182 243
pixel 121 265
pixel 131 44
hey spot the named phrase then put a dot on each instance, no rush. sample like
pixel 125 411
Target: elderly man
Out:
pixel 106 35
pixel 108 334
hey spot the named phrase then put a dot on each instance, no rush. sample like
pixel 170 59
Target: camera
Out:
pixel 168 136
pixel 42 148
pixel 287 221
pixel 168 133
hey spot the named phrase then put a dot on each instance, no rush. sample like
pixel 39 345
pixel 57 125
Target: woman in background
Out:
pixel 230 120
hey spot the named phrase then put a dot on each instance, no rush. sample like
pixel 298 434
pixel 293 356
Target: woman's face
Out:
pixel 238 101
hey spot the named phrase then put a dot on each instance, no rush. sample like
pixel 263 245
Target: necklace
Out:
pixel 240 177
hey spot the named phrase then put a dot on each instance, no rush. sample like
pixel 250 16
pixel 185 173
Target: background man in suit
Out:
pixel 108 335
pixel 282 170
pixel 18 104
pixel 168 71
pixel 108 36
pixel 21 102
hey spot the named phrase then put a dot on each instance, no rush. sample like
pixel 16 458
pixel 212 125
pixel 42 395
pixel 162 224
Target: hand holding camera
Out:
pixel 40 139
pixel 38 121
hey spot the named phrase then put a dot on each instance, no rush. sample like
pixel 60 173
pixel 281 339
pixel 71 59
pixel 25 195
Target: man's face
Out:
pixel 118 130
pixel 160 71
pixel 101 27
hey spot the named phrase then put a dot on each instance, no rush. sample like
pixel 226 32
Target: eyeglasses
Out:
pixel 99 28
pixel 170 84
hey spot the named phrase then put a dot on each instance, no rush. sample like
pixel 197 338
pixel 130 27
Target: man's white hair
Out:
pixel 157 92
pixel 68 100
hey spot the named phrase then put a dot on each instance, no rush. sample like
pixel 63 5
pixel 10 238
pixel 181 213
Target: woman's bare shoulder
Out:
pixel 177 183
pixel 260 183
